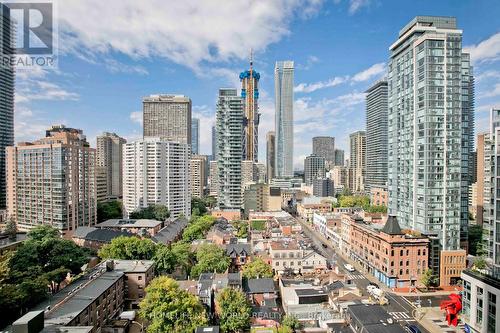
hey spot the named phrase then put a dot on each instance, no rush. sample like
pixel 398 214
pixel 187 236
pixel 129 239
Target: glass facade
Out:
pixel 427 125
pixel 283 88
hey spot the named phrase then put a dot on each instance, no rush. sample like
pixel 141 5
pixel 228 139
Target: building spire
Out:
pixel 251 58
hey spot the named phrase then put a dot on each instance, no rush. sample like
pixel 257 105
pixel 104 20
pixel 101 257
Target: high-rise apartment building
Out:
pixel 195 136
pixel 167 117
pixel 198 167
pixel 270 155
pixel 339 157
pixel 156 171
pixel 249 173
pixel 314 167
pixel 324 146
pixel 6 97
pixel 338 174
pixel 323 187
pixel 229 121
pixel 109 167
pixel 428 129
pixel 283 89
pixel 357 160
pixel 376 136
pixel 480 178
pixel 481 288
pixel 250 95
pixel 491 192
pixel 51 181
pixel 214 179
pixel 214 143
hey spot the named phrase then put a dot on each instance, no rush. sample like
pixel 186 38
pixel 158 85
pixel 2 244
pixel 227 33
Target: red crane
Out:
pixel 453 306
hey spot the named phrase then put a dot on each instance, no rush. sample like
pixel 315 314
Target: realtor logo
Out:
pixel 33 34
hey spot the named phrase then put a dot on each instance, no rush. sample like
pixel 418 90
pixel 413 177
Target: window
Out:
pixel 139 277
pixel 277 263
pixel 492 309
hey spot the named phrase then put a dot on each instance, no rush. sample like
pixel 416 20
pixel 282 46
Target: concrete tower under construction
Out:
pixel 250 94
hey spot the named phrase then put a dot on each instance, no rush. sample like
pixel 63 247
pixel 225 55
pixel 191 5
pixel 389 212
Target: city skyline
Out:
pixel 325 89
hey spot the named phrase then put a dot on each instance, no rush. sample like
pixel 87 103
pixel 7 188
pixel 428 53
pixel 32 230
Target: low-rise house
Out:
pixel 142 227
pixel 209 284
pixel 239 254
pixel 95 238
pixel 139 274
pixel 221 232
pixel 261 291
pixel 365 318
pixel 172 231
pixel 288 255
pixel 311 205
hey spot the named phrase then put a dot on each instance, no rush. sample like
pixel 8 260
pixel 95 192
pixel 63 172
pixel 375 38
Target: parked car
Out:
pixel 370 288
pixel 349 268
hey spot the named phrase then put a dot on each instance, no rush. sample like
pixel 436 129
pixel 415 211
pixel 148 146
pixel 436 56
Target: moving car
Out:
pixel 413 329
pixel 349 268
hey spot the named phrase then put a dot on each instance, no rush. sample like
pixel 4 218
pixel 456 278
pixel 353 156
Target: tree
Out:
pixel 168 308
pixel 11 229
pixel 257 268
pixel 167 259
pixel 291 322
pixel 242 228
pixel 55 278
pixel 428 278
pixel 198 206
pixel 210 258
pixel 197 228
pixel 152 212
pixel 109 210
pixel 475 239
pixel 480 263
pixel 43 232
pixel 128 248
pixel 233 310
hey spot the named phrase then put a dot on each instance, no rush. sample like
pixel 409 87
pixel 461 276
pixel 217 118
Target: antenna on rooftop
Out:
pixel 251 58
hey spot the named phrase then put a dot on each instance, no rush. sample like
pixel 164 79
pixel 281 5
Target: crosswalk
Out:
pixel 355 276
pixel 400 315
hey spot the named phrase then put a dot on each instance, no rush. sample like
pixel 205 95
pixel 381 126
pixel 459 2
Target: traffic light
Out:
pixel 453 306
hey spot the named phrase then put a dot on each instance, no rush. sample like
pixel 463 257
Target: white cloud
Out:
pixel 369 73
pixel 355 5
pixel 310 87
pixel 365 75
pixel 487 50
pixel 136 117
pixel 311 60
pixel 491 93
pixel 188 32
pixel 489 74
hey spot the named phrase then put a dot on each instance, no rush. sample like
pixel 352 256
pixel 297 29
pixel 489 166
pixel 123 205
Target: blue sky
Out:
pixel 114 52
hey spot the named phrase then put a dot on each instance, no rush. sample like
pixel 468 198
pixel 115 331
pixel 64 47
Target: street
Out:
pixel 399 307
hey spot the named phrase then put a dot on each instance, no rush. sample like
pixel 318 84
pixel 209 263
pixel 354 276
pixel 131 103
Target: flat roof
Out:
pixel 77 296
pixel 133 266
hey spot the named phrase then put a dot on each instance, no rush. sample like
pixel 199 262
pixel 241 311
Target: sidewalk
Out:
pixel 434 321
pixel 371 278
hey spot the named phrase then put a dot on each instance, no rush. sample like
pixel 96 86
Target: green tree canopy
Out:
pixel 38 265
pixel 43 232
pixel 109 210
pixel 475 238
pixel 167 259
pixel 210 258
pixel 197 228
pixel 128 248
pixel 428 278
pixel 233 310
pixel 152 212
pixel 11 228
pixel 198 206
pixel 168 308
pixel 290 322
pixel 257 268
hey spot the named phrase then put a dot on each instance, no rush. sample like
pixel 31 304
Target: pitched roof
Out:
pixel 238 249
pixel 170 232
pixel 259 286
pixel 392 227
pixel 100 235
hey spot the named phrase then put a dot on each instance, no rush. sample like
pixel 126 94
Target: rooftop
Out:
pixel 99 235
pixel 129 223
pixel 259 286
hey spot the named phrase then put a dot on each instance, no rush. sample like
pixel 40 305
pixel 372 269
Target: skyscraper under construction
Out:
pixel 250 94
